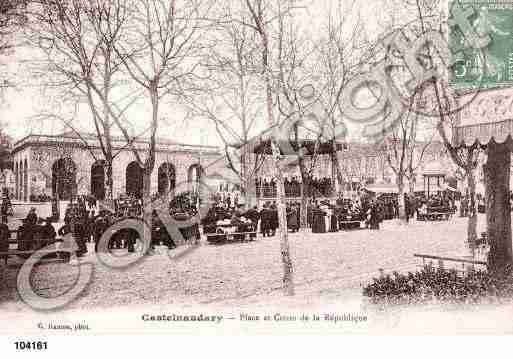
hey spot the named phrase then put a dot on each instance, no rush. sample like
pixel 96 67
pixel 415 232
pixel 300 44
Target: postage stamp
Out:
pixel 491 65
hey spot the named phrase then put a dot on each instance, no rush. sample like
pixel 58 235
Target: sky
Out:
pixel 25 102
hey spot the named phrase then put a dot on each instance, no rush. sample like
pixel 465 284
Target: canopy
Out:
pixel 382 188
pixel 487 115
pixel 434 169
pixel 264 146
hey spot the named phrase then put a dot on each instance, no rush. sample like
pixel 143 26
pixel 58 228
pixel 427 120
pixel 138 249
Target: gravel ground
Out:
pixel 330 265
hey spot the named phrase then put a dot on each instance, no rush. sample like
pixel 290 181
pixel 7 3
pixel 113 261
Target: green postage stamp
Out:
pixel 491 65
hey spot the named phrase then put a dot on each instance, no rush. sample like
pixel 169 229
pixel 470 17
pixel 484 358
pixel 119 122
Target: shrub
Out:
pixel 438 284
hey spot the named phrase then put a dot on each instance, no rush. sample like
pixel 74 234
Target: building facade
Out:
pixel 72 164
pixel 363 163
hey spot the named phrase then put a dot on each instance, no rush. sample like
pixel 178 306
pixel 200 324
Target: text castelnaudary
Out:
pixel 181 318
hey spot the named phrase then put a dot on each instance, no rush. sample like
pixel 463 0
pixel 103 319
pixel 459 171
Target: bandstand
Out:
pixel 434 178
pixel 323 181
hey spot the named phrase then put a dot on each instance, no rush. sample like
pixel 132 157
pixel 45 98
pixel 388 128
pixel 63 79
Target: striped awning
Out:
pixel 500 132
pixel 485 116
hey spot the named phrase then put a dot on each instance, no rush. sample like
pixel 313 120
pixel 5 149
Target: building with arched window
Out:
pixel 69 164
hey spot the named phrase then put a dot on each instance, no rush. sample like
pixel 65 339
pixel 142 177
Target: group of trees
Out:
pixel 5 155
pixel 243 66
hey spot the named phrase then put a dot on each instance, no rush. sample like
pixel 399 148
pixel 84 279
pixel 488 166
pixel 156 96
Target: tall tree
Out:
pixel 161 54
pixel 5 155
pixel 341 51
pixel 298 102
pixel 466 158
pixel 77 39
pixel 405 152
pixel 261 17
pixel 230 99
pixel 437 98
pixel 12 17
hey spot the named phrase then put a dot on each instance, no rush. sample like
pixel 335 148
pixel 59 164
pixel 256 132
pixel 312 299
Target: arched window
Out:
pixel 134 180
pixel 194 176
pixel 64 178
pixel 195 173
pixel 16 178
pixel 98 180
pixel 25 181
pixel 166 178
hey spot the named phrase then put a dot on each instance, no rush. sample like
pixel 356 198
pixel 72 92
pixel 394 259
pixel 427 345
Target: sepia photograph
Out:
pixel 255 167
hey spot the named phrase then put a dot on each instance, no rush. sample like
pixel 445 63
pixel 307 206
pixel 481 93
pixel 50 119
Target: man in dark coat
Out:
pixel 292 219
pixel 334 219
pixel 80 236
pixel 274 223
pixel 5 236
pixel 5 206
pixel 318 225
pixel 309 215
pixel 100 226
pixel 265 221
pixel 25 236
pixel 32 217
pixel 47 231
pixel 254 216
pixel 375 216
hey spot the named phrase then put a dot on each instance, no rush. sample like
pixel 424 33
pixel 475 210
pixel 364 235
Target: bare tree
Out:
pixel 434 93
pixel 160 53
pixel 261 16
pixel 466 158
pixel 230 98
pixel 296 99
pixel 341 51
pixel 404 152
pixel 12 18
pixel 77 39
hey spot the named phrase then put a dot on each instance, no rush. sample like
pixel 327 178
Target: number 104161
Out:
pixel 31 345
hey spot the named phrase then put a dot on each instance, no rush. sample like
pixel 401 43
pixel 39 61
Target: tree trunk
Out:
pixel 472 220
pixel 336 165
pixel 147 209
pixel 58 200
pixel 305 183
pixel 498 213
pixel 305 192
pixel 400 201
pixel 288 284
pixel 303 220
pixel 250 193
pixel 109 181
pixel 411 185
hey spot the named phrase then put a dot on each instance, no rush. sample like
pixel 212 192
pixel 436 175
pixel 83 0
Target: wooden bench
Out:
pixel 441 261
pixel 231 237
pixel 434 216
pixel 439 216
pixel 25 253
pixel 349 225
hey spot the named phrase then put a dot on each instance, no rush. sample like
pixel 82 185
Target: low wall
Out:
pixel 43 209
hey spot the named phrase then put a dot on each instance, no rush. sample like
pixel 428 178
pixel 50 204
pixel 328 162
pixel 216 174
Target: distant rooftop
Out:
pixel 90 139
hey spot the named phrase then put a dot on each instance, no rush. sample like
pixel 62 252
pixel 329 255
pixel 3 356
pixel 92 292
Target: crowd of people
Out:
pixel 87 225
pixel 6 207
